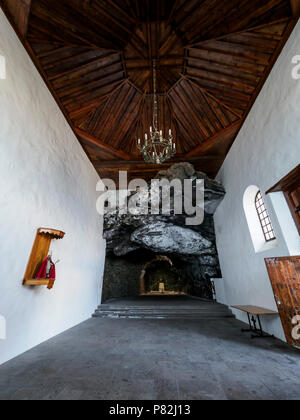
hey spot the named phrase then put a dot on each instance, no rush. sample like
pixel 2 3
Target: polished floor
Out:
pixel 123 359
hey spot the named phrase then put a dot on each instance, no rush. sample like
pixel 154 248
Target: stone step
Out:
pixel 164 313
pixel 162 310
pixel 160 316
pixel 213 308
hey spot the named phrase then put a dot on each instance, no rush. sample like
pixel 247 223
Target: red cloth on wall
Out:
pixel 46 272
pixel 41 274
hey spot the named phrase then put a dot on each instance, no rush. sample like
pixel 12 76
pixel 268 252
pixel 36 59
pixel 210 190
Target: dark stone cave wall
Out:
pixel 122 274
pixel 135 240
pixel 121 278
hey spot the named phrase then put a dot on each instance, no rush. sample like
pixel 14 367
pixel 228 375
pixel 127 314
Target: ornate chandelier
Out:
pixel 157 149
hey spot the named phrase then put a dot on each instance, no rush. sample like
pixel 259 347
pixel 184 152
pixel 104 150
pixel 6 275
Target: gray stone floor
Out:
pixel 154 359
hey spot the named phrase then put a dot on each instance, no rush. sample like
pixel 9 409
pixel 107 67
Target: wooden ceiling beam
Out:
pixel 206 83
pixel 176 130
pixel 83 109
pixel 141 164
pixel 132 122
pixel 120 130
pixel 223 80
pixel 295 5
pixel 108 125
pixel 87 98
pixel 241 21
pixel 20 13
pixel 241 64
pixel 103 146
pixel 56 50
pixel 191 110
pixel 227 132
pixel 98 115
pixel 221 103
pixel 82 66
pixel 120 9
pixel 116 22
pixel 251 75
pixel 74 24
pixel 132 36
pixel 72 94
pixel 208 117
pixel 76 80
pixel 174 8
pixel 187 16
pixel 186 124
pixel 254 28
pixel 249 55
pixel 228 72
pixel 144 61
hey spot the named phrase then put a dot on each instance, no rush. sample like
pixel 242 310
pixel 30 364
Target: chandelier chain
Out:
pixel 156 149
pixel 155 104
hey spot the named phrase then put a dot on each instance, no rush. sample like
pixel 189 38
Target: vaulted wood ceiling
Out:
pixel 96 58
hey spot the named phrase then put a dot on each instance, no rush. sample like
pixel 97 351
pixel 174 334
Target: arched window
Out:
pixel 264 218
pixel 258 219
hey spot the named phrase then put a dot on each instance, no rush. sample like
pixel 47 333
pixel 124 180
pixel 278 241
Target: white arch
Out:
pixel 2 328
pixel 258 238
pixel 2 68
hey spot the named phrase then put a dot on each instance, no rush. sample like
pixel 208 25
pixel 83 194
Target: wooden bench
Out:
pixel 256 311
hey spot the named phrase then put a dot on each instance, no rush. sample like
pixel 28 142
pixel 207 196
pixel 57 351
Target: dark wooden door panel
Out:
pixel 285 279
pixel 293 198
pixel 290 186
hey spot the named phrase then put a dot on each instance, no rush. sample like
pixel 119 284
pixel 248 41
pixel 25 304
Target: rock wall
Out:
pixel 134 240
pixel 121 277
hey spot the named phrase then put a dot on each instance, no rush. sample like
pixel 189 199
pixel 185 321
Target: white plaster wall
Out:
pixel 267 148
pixel 46 180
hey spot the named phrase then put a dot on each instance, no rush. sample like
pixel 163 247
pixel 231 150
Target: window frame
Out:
pixel 264 218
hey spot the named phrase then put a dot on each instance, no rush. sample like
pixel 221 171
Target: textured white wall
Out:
pixel 267 148
pixel 46 180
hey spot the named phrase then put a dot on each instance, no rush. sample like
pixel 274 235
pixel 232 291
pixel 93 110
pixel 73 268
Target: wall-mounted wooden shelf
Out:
pixel 38 282
pixel 39 253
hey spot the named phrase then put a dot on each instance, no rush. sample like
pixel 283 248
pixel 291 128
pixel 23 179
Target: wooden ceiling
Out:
pixel 96 58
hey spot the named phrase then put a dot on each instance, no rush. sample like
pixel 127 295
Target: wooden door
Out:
pixel 293 199
pixel 285 279
pixel 290 186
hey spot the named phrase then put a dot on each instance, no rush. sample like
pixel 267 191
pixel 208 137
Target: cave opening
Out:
pixel 160 277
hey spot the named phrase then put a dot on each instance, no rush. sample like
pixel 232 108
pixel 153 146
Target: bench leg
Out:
pixel 256 332
pixel 251 328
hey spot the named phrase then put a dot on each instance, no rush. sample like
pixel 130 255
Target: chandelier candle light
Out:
pixel 157 149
